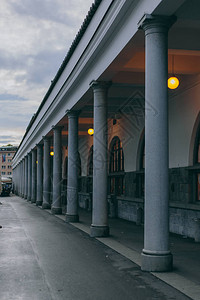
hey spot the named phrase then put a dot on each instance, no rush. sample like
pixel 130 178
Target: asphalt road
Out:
pixel 43 258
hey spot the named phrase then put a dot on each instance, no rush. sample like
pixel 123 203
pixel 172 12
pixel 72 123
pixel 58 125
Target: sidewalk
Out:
pixel 126 238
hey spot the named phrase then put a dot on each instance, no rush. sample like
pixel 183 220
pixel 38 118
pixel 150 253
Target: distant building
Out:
pixel 6 156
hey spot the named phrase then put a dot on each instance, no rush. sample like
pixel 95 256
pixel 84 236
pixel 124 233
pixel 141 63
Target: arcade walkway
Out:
pixel 42 257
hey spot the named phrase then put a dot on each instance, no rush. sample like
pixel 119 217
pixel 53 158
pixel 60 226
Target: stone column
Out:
pixel 22 193
pixel 23 178
pixel 13 180
pixel 20 178
pixel 156 255
pixel 72 170
pixel 26 178
pixel 14 185
pixel 34 186
pixel 46 175
pixel 29 177
pixel 99 225
pixel 39 175
pixel 56 207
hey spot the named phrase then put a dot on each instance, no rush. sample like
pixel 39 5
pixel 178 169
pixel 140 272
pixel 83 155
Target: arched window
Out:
pixel 140 168
pixel 90 170
pixel 79 164
pixel 142 156
pixel 116 156
pixel 197 165
pixel 116 168
pixel 90 161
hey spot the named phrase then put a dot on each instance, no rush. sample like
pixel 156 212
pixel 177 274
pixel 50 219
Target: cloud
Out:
pixel 35 38
pixel 5 97
pixel 66 12
pixel 13 137
pixel 4 140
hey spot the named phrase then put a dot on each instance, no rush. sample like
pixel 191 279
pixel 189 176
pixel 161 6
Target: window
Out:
pixel 116 168
pixel 9 167
pixel 9 173
pixel 90 170
pixel 198 162
pixel 90 161
pixel 116 156
pixel 9 154
pixel 140 172
pixel 3 173
pixel 9 160
pixel 3 158
pixel 79 171
pixel 3 167
pixel 197 166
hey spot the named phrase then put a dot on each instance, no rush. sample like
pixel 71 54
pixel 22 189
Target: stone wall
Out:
pixel 179 185
pixel 184 214
pixel 184 221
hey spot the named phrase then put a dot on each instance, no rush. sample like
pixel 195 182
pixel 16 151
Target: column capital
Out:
pixel 100 85
pixel 39 145
pixel 58 128
pixel 156 23
pixel 72 113
pixel 46 138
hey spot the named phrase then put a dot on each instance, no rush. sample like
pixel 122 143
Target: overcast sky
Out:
pixel 35 36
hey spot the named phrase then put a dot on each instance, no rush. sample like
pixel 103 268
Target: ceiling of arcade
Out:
pixel 127 71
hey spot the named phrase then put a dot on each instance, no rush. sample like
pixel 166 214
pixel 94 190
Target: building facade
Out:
pixel 143 161
pixel 6 157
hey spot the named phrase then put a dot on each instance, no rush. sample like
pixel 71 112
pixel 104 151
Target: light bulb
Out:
pixel 173 83
pixel 90 131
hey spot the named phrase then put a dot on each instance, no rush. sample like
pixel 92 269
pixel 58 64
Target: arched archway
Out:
pixel 90 170
pixel 193 141
pixel 196 163
pixel 140 167
pixel 116 167
pixel 140 163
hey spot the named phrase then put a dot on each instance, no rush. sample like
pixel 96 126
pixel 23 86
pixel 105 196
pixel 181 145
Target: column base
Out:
pixel 28 199
pixel 56 210
pixel 99 231
pixel 157 263
pixel 71 218
pixel 38 203
pixel 46 206
pixel 33 200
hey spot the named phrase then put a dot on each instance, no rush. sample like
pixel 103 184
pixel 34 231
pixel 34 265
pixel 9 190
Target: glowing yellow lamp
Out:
pixel 52 153
pixel 90 131
pixel 173 83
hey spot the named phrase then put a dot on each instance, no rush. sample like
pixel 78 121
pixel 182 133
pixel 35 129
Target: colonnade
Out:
pixel 156 255
pixel 32 175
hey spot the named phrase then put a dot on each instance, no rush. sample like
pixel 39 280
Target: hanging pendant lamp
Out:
pixel 173 81
pixel 90 131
